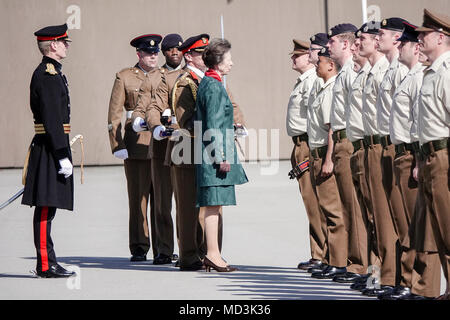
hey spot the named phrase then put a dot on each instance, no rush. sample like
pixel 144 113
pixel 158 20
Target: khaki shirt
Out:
pixel 319 115
pixel 342 86
pixel 370 93
pixel 297 112
pixel 434 101
pixel 124 97
pixel 354 121
pixel 392 78
pixel 403 105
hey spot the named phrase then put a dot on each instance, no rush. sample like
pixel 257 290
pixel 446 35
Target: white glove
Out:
pixel 139 124
pixel 66 167
pixel 121 154
pixel 158 133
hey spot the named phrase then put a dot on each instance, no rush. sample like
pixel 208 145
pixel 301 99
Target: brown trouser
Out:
pixel 384 227
pixel 140 192
pixel 317 223
pixel 437 193
pixel 162 187
pixel 362 192
pixel 356 230
pixel 327 194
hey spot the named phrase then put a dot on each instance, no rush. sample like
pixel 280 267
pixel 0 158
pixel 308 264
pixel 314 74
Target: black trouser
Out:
pixel 42 225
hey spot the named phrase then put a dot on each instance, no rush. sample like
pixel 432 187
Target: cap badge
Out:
pixel 330 33
pixel 384 22
pixel 313 38
pixel 366 28
pixel 179 43
pixel 152 43
pixel 51 69
pixel 323 50
pixel 358 34
pixel 204 40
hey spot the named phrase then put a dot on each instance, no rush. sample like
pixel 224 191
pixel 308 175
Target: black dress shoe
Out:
pixel 318 268
pixel 175 257
pixel 348 277
pixel 374 292
pixel 162 259
pixel 329 273
pixel 177 264
pixel 55 271
pixel 138 257
pixel 413 296
pixel 360 286
pixel 311 263
pixel 193 267
pixel 395 294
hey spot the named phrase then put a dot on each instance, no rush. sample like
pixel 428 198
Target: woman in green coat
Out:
pixel 219 169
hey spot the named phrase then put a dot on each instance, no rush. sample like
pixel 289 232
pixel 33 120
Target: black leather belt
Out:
pixel 433 146
pixel 372 140
pixel 339 135
pixel 319 152
pixel 358 145
pixel 386 141
pixel 302 137
pixel 401 148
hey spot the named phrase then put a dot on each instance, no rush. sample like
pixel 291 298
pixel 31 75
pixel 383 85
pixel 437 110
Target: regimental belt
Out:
pixel 39 128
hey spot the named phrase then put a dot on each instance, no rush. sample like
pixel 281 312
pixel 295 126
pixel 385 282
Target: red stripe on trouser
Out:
pixel 43 238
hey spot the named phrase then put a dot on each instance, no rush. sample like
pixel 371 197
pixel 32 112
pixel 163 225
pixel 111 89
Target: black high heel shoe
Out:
pixel 209 264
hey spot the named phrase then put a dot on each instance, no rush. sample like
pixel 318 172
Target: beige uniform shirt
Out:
pixel 342 85
pixel 392 78
pixel 370 93
pixel 403 105
pixel 297 112
pixel 319 115
pixel 434 101
pixel 354 121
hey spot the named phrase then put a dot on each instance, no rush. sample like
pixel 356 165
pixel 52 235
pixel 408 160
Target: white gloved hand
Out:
pixel 139 124
pixel 157 133
pixel 66 167
pixel 121 154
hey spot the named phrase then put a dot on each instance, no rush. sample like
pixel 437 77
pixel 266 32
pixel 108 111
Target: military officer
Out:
pixel 385 232
pixel 404 101
pixel 296 121
pixel 49 179
pixel 322 177
pixel 340 40
pixel 434 129
pixel 133 147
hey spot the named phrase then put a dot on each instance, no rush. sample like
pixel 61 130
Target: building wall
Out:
pixel 261 33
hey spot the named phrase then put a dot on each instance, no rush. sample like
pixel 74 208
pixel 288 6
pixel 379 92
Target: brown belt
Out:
pixel 39 128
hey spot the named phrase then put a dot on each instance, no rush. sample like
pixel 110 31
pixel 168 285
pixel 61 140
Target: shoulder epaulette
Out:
pixel 191 84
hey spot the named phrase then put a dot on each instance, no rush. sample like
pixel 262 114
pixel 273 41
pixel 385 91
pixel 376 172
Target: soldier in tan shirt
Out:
pixel 434 130
pixel 133 147
pixel 296 125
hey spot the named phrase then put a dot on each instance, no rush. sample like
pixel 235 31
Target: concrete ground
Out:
pixel 265 236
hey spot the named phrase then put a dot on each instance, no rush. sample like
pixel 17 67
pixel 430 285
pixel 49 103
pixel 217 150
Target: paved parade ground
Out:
pixel 265 236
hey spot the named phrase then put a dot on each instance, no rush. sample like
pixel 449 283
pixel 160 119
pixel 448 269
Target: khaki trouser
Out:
pixel 162 187
pixel 330 204
pixel 362 192
pixel 437 193
pixel 317 223
pixel 384 227
pixel 140 193
pixel 356 230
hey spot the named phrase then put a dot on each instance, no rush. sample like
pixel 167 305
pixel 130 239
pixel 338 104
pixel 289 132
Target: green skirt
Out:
pixel 216 196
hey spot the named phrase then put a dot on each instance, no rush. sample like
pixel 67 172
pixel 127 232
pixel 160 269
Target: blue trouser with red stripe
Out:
pixel 42 223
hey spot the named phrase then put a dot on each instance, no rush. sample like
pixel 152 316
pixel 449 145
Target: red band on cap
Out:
pixel 197 44
pixel 51 38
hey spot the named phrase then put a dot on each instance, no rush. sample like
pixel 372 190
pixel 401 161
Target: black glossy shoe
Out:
pixel 329 273
pixel 395 294
pixel 162 259
pixel 318 268
pixel 374 292
pixel 193 267
pixel 138 257
pixel 177 264
pixel 413 296
pixel 311 263
pixel 348 277
pixel 55 271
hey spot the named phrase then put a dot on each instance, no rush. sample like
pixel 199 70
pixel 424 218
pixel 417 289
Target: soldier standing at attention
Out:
pixel 133 147
pixel 434 130
pixel 322 177
pixel 385 232
pixel 341 38
pixel 49 179
pixel 161 175
pixel 296 121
